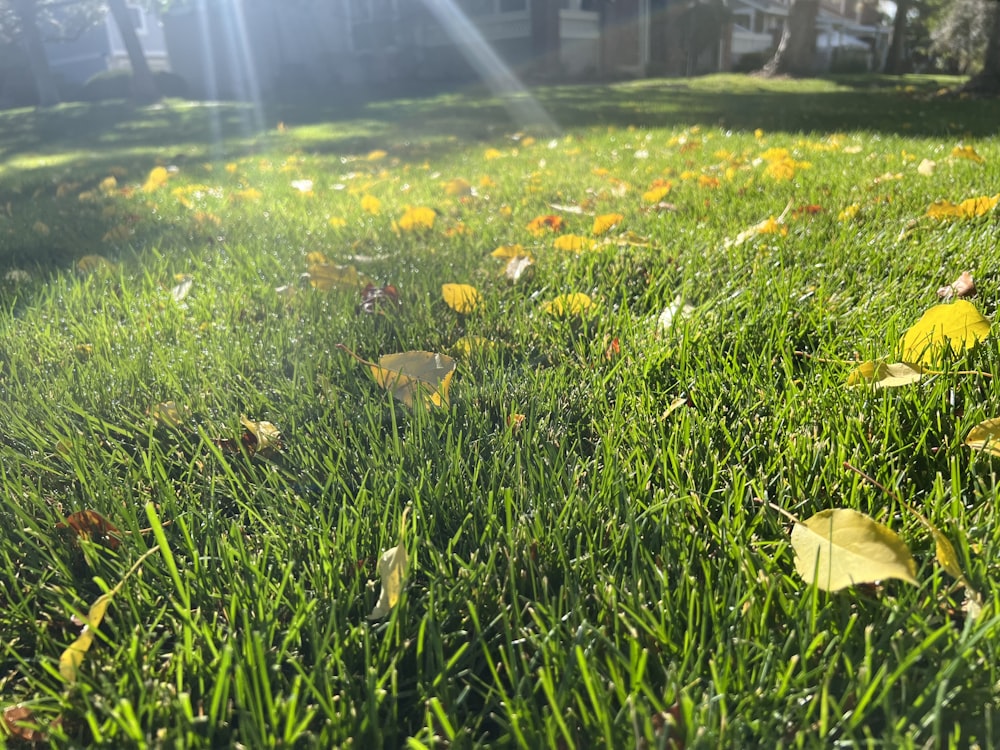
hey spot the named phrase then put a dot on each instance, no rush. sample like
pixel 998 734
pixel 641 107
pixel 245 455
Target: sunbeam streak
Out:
pixel 522 106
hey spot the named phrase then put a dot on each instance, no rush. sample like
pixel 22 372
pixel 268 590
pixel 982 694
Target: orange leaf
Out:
pixel 89 524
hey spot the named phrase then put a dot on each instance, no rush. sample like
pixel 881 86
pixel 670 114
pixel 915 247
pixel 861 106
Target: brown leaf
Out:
pixel 376 299
pixel 963 286
pixel 20 723
pixel 90 524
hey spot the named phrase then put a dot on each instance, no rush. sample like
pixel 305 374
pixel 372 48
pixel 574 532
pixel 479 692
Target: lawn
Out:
pixel 580 536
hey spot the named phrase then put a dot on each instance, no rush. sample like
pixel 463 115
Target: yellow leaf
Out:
pixel 967 152
pixel 970 208
pixel 158 177
pixel 412 377
pixel 42 228
pixel 568 304
pixel 985 437
pixel 605 222
pixel 471 344
pixel 392 569
pixel 885 375
pixel 573 243
pixel 458 187
pixel 268 436
pixel 462 298
pixel 337 222
pixel 417 218
pixel 509 251
pixel 72 657
pixel 841 547
pixel 166 413
pixel 656 194
pixel 376 155
pixel 327 276
pixel 958 325
pixel 371 205
pixel 94 264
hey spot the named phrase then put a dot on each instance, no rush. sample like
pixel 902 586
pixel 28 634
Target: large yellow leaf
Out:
pixel 885 375
pixel 392 569
pixel 970 208
pixel 985 436
pixel 958 325
pixel 841 547
pixel 413 377
pixel 461 298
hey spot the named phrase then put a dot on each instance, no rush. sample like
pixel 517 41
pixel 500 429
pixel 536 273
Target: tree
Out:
pixel 896 62
pixel 144 88
pixel 796 51
pixel 987 81
pixel 25 18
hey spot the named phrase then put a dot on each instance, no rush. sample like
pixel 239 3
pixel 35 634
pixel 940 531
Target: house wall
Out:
pixel 78 59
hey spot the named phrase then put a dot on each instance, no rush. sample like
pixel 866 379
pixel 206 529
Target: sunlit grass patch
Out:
pixel 260 358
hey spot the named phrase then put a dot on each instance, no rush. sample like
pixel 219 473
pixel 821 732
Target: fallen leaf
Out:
pixel 72 657
pixel 517 267
pixel 95 265
pixel 327 276
pixel 674 311
pixel 885 375
pixel 568 304
pixel 605 222
pixel 958 325
pixel 985 437
pixel 840 547
pixel 392 569
pixel 462 298
pixel 413 377
pixel 264 436
pixel 20 724
pixel 166 414
pixel 417 218
pixel 967 152
pixel 375 299
pixel 926 167
pixel 467 345
pixel 89 524
pixel 963 286
pixel 970 208
pixel 181 290
pixel 510 251
pixel 541 224
pixel 573 243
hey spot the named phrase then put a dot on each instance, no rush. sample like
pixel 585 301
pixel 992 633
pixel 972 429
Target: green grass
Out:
pixel 574 580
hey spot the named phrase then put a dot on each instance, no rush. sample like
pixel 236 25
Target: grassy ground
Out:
pixel 592 558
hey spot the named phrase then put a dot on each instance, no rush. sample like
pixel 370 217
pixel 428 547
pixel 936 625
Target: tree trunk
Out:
pixel 34 47
pixel 987 81
pixel 143 86
pixel 796 53
pixel 895 61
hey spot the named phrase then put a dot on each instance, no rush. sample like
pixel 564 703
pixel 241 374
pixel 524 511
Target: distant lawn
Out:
pixel 595 555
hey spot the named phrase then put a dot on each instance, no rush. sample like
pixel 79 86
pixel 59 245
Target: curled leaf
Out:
pixel 261 437
pixel 840 547
pixel 72 657
pixel 963 286
pixel 413 377
pixel 884 375
pixel 392 569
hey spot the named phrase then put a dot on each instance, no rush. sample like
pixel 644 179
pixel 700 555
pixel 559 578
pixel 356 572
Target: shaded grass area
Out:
pixel 603 572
